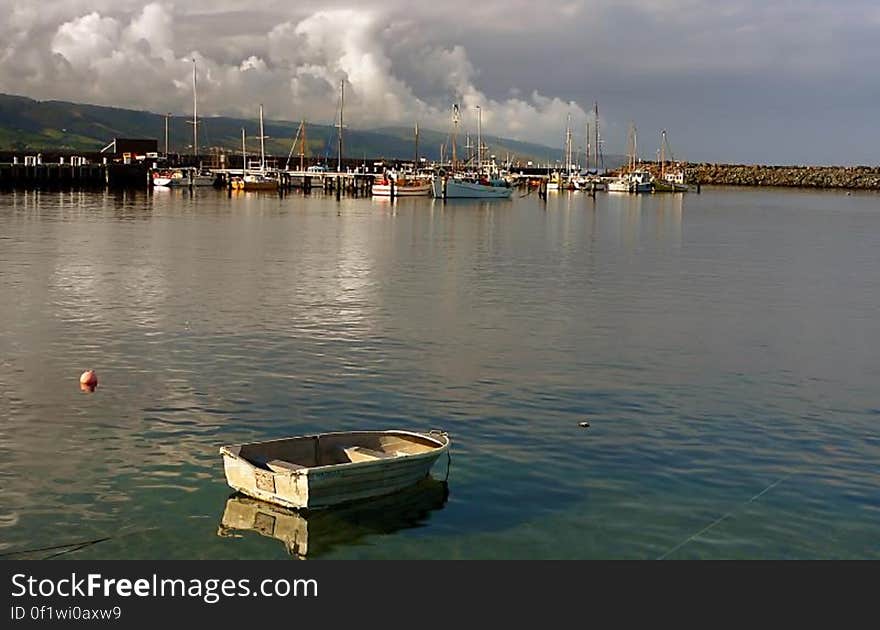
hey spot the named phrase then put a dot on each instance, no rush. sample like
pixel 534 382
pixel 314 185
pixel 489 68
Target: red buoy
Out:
pixel 88 381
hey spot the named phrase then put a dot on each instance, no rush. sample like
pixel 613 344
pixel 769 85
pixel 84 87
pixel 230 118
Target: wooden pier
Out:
pixel 69 176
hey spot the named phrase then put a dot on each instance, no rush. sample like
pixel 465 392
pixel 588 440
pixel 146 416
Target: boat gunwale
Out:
pixel 234 451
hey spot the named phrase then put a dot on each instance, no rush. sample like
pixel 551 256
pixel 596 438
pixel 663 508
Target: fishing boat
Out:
pixel 638 181
pixel 672 181
pixel 318 471
pixel 315 533
pixel 479 184
pixel 464 187
pixel 401 186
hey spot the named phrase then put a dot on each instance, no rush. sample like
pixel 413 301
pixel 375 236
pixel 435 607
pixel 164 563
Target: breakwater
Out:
pixel 845 177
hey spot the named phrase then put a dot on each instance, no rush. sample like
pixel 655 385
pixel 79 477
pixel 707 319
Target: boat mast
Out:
pixel 167 116
pixel 300 130
pixel 587 148
pixel 262 143
pixel 416 166
pixel 596 132
pixel 479 139
pixel 635 146
pixel 341 108
pixel 302 146
pixel 243 155
pixel 456 113
pixel 195 122
pixel 568 147
pixel 662 152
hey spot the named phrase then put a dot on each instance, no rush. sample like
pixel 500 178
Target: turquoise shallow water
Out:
pixel 719 344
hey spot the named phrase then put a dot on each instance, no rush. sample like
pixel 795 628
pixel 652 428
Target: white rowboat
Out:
pixel 317 471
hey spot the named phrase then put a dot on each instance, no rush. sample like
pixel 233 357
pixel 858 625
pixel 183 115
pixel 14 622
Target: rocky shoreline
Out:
pixel 845 177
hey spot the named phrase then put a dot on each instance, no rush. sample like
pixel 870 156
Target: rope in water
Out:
pixel 72 547
pixel 722 518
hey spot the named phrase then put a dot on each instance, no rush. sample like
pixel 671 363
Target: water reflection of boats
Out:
pixel 314 533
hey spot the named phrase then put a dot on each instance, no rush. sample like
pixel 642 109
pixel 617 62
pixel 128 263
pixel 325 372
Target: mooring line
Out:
pixel 722 518
pixel 54 547
pixel 72 547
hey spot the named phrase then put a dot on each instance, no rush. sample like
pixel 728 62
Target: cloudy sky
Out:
pixel 734 81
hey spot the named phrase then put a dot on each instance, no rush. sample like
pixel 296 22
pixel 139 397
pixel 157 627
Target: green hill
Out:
pixel 27 124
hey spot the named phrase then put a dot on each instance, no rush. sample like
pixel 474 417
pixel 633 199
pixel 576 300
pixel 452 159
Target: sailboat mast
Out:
pixel 195 114
pixel 662 152
pixel 341 109
pixel 587 148
pixel 479 139
pixel 455 116
pixel 243 155
pixel 262 142
pixel 635 146
pixel 596 132
pixel 302 146
pixel 417 147
pixel 568 146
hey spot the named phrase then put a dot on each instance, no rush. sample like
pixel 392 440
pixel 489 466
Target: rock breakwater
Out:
pixel 850 177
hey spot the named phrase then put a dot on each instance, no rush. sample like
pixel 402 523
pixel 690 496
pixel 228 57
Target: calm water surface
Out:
pixel 723 346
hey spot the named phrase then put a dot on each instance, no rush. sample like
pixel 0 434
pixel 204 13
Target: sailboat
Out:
pixel 187 177
pixel 254 181
pixel 671 180
pixel 591 178
pixel 395 184
pixel 634 179
pixel 469 185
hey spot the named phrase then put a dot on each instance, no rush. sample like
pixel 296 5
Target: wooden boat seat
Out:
pixel 281 466
pixel 364 454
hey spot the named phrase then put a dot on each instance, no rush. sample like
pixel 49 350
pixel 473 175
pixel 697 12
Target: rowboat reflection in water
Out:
pixel 315 533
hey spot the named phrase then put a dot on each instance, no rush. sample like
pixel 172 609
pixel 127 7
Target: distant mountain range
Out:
pixel 28 124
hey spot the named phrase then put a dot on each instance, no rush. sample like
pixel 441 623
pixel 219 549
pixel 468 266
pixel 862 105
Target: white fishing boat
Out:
pixel 638 181
pixel 460 187
pixel 317 471
pixel 619 184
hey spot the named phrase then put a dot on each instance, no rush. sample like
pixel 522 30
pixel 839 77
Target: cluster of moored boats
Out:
pixel 473 178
